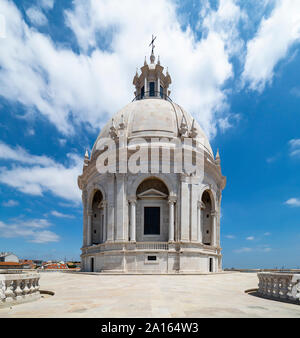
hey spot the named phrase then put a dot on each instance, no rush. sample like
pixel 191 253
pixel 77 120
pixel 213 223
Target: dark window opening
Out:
pixel 161 92
pixel 151 258
pixel 151 87
pixel 210 265
pixel 92 264
pixel 95 215
pixel 142 92
pixel 95 231
pixel 151 220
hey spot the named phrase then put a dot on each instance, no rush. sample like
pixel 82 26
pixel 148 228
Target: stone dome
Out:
pixel 154 117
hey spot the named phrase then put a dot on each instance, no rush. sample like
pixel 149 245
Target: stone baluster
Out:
pixel 276 287
pixel 26 289
pixel 9 294
pixel 18 290
pixel 284 288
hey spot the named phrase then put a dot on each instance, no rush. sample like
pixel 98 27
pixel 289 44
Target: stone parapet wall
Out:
pixel 281 286
pixel 18 288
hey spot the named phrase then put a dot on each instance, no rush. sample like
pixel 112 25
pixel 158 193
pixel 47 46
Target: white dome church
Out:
pixel 151 220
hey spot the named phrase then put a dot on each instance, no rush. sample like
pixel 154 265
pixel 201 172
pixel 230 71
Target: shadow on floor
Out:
pixel 254 293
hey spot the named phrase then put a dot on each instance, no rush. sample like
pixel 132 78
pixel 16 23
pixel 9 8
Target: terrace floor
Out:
pixel 216 295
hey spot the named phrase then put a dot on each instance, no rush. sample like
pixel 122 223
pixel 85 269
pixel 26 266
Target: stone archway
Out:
pixel 97 218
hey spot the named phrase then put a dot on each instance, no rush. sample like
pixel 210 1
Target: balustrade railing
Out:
pixel 285 286
pixel 18 288
pixel 152 246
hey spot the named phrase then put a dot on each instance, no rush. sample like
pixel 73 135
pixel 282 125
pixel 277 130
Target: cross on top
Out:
pixel 152 43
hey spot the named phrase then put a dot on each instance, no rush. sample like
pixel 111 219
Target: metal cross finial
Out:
pixel 152 43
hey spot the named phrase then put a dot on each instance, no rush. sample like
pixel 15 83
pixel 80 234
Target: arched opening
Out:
pixel 207 219
pixel 152 210
pixel 97 218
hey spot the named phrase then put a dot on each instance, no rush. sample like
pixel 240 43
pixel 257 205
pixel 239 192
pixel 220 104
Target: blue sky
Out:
pixel 66 66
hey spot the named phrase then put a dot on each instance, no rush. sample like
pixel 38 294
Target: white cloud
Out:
pixel 267 234
pixel 10 203
pixel 294 147
pixel 242 250
pixel 60 215
pixel 225 21
pixel 19 154
pixel 250 238
pixel 43 175
pixel 32 230
pixel 46 4
pixel 275 36
pixel 96 83
pixel 36 16
pixel 230 236
pixel 293 202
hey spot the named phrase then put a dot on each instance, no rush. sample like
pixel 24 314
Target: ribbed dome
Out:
pixel 154 118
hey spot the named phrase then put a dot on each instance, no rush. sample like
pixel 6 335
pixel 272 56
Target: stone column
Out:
pixel 89 227
pixel 84 204
pixel 132 202
pixel 104 222
pixel 110 223
pixel 158 86
pixel 171 219
pixel 121 205
pixel 145 86
pixel 214 228
pixel 185 210
pixel 199 222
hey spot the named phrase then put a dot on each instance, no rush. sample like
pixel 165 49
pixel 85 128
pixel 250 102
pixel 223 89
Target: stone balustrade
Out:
pixel 18 288
pixel 152 246
pixel 281 286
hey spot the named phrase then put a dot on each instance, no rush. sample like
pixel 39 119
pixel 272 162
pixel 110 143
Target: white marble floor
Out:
pixel 221 295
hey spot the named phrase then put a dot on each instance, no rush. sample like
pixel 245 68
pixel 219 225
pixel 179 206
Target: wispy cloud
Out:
pixel 36 16
pixel 229 236
pixel 10 203
pixel 294 147
pixel 250 238
pixel 40 174
pixel 32 230
pixel 242 250
pixel 60 215
pixel 293 202
pixel 276 34
pixel 295 91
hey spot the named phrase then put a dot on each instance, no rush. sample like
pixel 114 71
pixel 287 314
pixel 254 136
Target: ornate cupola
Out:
pixel 151 82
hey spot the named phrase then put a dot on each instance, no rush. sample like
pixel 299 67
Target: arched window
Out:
pixel 152 225
pixel 97 218
pixel 207 218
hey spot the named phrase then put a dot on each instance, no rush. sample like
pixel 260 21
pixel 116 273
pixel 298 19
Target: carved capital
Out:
pixel 172 199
